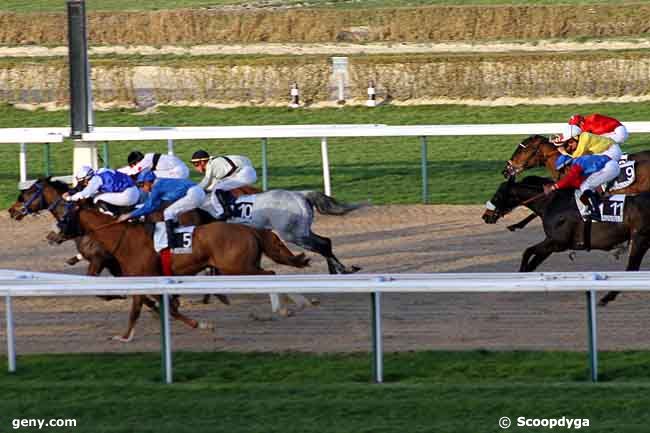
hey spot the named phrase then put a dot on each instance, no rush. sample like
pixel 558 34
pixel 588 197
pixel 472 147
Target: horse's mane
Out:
pixel 536 181
pixel 58 185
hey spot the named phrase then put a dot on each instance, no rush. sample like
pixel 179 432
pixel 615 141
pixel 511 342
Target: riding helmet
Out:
pixel 135 157
pixel 200 155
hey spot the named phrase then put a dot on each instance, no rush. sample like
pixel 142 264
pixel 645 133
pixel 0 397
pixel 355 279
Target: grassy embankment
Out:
pixel 120 5
pixel 462 170
pixel 230 392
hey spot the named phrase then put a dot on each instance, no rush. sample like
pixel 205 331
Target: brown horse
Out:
pixel 232 249
pixel 538 151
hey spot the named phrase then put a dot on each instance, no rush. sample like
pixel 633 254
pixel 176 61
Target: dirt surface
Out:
pixel 380 239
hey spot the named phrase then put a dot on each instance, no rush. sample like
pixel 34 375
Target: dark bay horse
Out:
pixel 232 249
pixel 564 227
pixel 538 151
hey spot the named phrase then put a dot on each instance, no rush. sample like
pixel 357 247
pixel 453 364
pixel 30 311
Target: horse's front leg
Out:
pixel 136 309
pixel 639 244
pixel 523 223
pixel 535 255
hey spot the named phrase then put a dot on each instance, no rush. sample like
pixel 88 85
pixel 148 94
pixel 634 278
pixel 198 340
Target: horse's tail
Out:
pixel 327 205
pixel 277 251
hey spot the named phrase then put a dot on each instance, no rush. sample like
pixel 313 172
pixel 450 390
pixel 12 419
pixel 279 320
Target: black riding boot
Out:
pixel 171 239
pixel 594 204
pixel 221 196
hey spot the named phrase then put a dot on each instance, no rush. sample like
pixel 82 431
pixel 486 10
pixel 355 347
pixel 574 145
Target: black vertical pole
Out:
pixel 78 60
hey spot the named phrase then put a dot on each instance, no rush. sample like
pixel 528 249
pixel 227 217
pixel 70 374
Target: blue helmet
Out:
pixel 145 176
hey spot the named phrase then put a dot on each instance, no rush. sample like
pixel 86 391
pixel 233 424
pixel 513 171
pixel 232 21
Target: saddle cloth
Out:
pixel 611 207
pixel 626 177
pixel 184 238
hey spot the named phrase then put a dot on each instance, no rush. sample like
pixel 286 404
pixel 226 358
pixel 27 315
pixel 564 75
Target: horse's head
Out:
pixel 501 203
pixel 529 153
pixel 511 194
pixel 44 194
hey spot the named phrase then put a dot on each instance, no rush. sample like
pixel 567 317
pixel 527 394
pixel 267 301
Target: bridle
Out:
pixel 512 170
pixel 25 210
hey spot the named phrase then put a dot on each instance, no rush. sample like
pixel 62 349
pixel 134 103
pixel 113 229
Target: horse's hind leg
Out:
pixel 323 246
pixel 639 245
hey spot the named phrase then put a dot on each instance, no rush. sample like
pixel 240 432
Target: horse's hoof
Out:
pixel 206 299
pixel 315 302
pixel 207 324
pixel 512 228
pixel 352 270
pixel 223 299
pixel 121 338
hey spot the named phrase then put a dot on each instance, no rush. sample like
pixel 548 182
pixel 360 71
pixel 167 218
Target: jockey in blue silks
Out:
pixel 105 185
pixel 184 194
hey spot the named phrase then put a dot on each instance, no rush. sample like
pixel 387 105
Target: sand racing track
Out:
pixel 380 239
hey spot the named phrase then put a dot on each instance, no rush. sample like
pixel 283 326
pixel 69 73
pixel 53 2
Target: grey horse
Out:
pixel 291 214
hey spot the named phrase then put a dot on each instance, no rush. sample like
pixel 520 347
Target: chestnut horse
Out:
pixel 232 249
pixel 538 151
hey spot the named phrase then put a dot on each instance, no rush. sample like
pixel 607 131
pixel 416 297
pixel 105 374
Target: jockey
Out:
pixel 601 125
pixel 594 161
pixel 108 187
pixel 161 164
pixel 223 173
pixel 185 195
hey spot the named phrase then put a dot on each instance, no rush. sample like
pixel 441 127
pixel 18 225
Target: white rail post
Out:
pixel 425 173
pixel 326 166
pixel 166 342
pixel 593 335
pixel 377 347
pixel 11 338
pixel 23 162
pixel 170 146
pixel 265 165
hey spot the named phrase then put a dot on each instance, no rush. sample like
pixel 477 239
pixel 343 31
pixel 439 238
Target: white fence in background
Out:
pixel 21 283
pixel 267 132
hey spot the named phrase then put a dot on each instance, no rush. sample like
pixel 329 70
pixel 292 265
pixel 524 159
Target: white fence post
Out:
pixel 23 162
pixel 265 165
pixel 592 335
pixel 170 146
pixel 377 346
pixel 165 335
pixel 11 338
pixel 326 166
pixel 425 173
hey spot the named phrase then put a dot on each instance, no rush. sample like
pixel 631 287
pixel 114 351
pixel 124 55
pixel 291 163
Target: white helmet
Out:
pixel 568 132
pixel 84 173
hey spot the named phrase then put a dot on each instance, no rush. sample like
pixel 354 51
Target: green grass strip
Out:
pixel 462 170
pixel 291 392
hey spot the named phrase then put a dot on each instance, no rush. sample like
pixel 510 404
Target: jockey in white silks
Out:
pixel 223 173
pixel 105 185
pixel 162 165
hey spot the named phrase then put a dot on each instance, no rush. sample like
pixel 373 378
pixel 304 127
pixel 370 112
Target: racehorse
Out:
pixel 291 215
pixel 233 249
pixel 564 226
pixel 538 151
pixel 46 194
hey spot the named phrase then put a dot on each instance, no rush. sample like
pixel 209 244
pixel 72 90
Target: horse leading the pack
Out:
pixel 539 151
pixel 564 226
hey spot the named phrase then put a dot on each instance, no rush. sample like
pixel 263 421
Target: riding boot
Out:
pixel 594 204
pixel 171 239
pixel 221 196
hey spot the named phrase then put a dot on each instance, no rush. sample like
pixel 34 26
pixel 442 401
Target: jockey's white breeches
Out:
pixel 607 173
pixel 128 197
pixel 242 177
pixel 614 152
pixel 179 171
pixel 191 200
pixel 619 135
